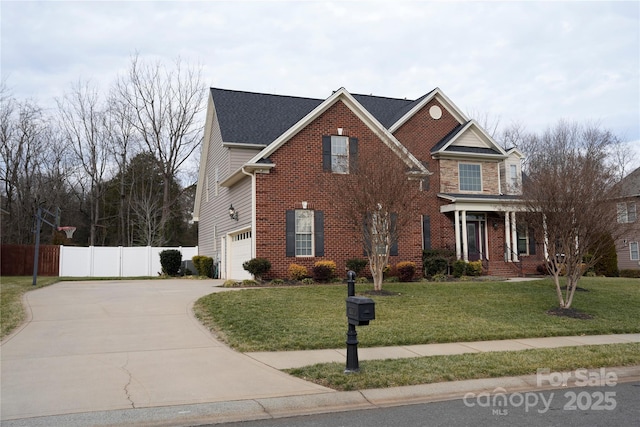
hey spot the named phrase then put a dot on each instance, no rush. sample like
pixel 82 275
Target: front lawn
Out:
pixel 314 317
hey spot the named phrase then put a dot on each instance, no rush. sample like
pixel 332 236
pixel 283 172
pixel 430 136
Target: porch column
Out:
pixel 507 237
pixel 514 237
pixel 465 237
pixel 456 226
pixel 486 238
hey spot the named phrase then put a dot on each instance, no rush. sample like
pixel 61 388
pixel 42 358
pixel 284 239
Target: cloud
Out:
pixel 532 62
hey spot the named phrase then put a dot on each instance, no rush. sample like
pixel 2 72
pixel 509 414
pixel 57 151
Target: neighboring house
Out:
pixel 264 155
pixel 627 246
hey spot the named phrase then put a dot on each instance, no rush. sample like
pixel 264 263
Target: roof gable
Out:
pixel 418 104
pixel 342 95
pixel 468 139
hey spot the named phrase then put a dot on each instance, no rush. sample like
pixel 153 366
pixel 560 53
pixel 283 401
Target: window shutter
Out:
pixel 318 232
pixel 394 246
pixel 353 155
pixel 426 232
pixel 532 243
pixel 291 233
pixel 326 153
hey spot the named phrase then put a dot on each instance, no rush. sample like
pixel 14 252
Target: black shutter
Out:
pixel 426 232
pixel 326 153
pixel 353 155
pixel 291 233
pixel 394 245
pixel 532 243
pixel 318 232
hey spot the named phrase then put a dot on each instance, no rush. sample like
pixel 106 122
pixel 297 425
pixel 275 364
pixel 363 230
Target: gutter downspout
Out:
pixel 253 210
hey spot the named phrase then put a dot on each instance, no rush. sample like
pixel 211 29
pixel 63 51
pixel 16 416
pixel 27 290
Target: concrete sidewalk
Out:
pixel 131 353
pixel 296 359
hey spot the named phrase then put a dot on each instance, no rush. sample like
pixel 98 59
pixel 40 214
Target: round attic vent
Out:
pixel 435 112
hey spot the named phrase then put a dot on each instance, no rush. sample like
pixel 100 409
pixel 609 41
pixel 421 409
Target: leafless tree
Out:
pixel 570 199
pixel 124 144
pixel 82 120
pixel 376 199
pixel 24 144
pixel 166 105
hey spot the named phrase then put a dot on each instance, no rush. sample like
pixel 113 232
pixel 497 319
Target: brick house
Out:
pixel 263 156
pixel 628 245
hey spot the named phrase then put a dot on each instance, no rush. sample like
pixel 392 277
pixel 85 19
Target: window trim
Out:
pixel 631 251
pixel 335 158
pixel 311 233
pixel 627 212
pixel 479 165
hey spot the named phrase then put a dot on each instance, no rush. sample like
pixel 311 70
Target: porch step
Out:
pixel 504 269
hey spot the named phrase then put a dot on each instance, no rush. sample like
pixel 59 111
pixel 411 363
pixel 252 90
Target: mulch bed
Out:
pixel 569 312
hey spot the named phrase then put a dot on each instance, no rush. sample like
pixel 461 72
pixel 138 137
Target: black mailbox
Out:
pixel 360 310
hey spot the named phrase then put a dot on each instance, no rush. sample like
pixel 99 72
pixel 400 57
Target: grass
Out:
pixel 426 370
pixel 314 317
pixel 11 290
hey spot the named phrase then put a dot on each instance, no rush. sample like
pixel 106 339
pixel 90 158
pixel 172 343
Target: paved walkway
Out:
pixel 296 359
pixel 131 353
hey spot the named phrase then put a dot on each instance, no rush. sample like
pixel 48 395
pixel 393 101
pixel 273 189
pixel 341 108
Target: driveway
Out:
pixel 105 345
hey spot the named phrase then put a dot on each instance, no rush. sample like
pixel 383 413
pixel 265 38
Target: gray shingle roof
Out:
pixel 630 184
pixel 259 118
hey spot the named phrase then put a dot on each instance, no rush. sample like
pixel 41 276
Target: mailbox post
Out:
pixel 360 311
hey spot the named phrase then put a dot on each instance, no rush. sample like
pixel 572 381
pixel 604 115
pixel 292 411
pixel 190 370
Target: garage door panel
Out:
pixel 239 253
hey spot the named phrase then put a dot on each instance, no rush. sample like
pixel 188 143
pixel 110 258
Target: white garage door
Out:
pixel 239 252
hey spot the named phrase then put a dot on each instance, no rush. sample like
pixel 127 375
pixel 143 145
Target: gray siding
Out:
pixel 214 217
pixel 240 156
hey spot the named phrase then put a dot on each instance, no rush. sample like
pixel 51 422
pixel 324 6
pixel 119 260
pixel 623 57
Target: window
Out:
pixel 513 176
pixel 633 251
pixel 304 233
pixel 470 178
pixel 339 153
pixel 627 212
pixel 523 242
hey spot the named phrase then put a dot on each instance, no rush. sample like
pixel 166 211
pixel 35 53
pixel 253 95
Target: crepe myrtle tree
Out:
pixel 376 198
pixel 570 197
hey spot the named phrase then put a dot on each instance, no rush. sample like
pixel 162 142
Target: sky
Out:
pixel 526 62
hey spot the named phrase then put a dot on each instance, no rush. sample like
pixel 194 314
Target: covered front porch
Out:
pixel 486 228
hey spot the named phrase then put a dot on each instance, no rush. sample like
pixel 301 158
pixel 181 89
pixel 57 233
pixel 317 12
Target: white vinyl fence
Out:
pixel 99 261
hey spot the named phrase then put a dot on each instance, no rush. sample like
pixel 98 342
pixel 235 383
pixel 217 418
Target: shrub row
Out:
pixel 326 271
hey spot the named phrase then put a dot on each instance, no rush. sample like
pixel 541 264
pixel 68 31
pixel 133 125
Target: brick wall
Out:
pixel 298 177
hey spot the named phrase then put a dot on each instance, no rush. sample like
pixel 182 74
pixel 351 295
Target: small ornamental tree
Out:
pixel 376 199
pixel 570 197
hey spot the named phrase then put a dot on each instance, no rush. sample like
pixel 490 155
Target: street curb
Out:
pixel 288 406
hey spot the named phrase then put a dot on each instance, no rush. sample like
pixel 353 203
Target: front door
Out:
pixel 474 240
